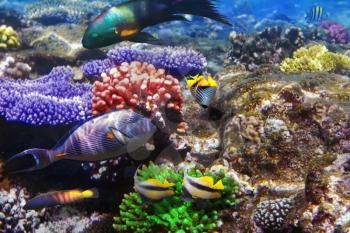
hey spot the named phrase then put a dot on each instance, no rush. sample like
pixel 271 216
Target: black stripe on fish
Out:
pixel 153 188
pixel 185 193
pixel 201 187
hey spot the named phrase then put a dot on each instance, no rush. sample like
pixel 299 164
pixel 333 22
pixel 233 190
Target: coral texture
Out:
pixel 52 99
pixel 315 58
pixel 171 214
pixel 269 46
pixel 175 60
pixel 271 214
pixel 12 68
pixel 134 85
pixel 8 38
pixel 337 33
pixel 57 11
pixel 13 218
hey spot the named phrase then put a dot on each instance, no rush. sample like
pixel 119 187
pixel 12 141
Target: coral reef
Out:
pixel 13 218
pixel 337 33
pixel 172 214
pixel 269 46
pixel 70 219
pixel 271 214
pixel 49 12
pixel 137 85
pixel 52 99
pixel 8 38
pixel 13 68
pixel 175 60
pixel 313 59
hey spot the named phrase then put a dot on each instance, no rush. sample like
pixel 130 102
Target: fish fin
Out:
pixel 145 37
pixel 206 181
pixel 191 81
pixel 155 182
pixel 29 160
pixel 91 193
pixel 212 81
pixel 204 8
pixel 168 184
pixel 175 18
pixel 219 185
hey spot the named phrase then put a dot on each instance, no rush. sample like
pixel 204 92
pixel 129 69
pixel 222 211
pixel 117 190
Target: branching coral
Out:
pixel 337 33
pixel 313 59
pixel 52 99
pixel 8 38
pixel 177 61
pixel 171 214
pixel 137 85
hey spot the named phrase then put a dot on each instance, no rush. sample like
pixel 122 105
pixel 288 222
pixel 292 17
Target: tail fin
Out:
pixel 204 8
pixel 28 160
pixel 91 193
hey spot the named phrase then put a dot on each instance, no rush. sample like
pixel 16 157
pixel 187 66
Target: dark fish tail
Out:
pixel 28 160
pixel 204 8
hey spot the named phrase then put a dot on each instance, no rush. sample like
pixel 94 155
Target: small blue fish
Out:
pixel 100 138
pixel 315 14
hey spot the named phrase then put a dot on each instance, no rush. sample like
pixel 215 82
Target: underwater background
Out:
pixel 177 116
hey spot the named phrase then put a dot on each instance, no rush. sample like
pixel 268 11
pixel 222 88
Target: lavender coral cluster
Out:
pixel 50 100
pixel 177 61
pixel 337 33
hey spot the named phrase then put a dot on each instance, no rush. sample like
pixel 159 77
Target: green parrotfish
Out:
pixel 127 20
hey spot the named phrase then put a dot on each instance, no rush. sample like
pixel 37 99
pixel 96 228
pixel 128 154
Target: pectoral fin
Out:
pixel 145 37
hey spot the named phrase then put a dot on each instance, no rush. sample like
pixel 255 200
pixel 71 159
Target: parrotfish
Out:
pixel 100 138
pixel 153 190
pixel 200 188
pixel 127 20
pixel 202 88
pixel 59 198
pixel 315 14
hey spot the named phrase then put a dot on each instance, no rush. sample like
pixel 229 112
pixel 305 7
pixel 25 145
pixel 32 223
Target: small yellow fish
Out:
pixel 60 197
pixel 202 88
pixel 201 187
pixel 153 190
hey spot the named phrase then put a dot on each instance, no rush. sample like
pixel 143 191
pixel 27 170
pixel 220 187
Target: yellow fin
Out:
pixel 157 182
pixel 219 185
pixel 192 81
pixel 168 184
pixel 207 181
pixel 61 155
pixel 90 193
pixel 212 81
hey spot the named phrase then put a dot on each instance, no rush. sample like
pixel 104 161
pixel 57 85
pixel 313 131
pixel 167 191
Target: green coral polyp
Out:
pixel 316 58
pixel 172 214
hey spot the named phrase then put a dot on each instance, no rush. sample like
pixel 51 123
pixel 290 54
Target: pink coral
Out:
pixel 131 85
pixel 337 33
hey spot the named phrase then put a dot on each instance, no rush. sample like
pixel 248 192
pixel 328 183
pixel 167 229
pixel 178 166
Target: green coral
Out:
pixel 172 214
pixel 8 38
pixel 314 59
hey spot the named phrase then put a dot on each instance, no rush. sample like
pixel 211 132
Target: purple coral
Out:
pixel 50 100
pixel 337 33
pixel 177 61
